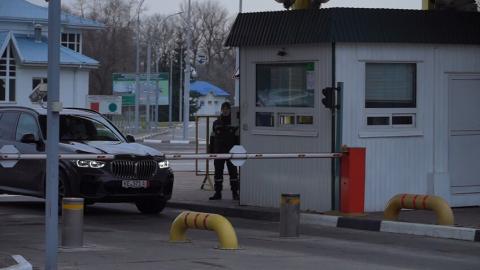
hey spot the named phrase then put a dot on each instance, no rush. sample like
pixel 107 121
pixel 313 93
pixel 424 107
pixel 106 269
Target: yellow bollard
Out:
pixel 411 201
pixel 204 221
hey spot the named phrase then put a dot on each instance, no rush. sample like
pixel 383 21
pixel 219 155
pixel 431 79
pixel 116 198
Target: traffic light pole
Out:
pixel 335 184
pixel 53 120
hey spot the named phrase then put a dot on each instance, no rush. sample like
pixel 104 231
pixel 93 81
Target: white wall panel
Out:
pixel 73 85
pixel 451 62
pixel 415 161
pixel 263 181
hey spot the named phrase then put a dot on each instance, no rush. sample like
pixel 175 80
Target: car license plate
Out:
pixel 135 184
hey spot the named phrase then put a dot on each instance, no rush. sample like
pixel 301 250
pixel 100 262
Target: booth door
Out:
pixel 464 137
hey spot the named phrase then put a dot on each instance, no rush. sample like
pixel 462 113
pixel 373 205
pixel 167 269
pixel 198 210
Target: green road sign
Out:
pixel 128 100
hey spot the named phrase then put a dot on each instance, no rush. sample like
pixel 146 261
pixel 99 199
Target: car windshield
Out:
pixel 82 128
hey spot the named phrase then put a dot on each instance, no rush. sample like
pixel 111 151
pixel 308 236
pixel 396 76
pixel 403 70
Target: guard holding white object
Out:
pixel 222 139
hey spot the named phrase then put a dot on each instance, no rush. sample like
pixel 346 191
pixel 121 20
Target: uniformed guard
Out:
pixel 223 137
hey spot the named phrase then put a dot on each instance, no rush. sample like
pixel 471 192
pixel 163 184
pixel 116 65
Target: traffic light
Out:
pixel 328 97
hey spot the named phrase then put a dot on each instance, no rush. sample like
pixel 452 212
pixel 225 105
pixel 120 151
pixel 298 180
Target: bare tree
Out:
pixel 114 46
pixel 213 21
pixel 159 32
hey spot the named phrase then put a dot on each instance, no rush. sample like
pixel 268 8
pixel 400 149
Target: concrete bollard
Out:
pixel 72 217
pixel 290 215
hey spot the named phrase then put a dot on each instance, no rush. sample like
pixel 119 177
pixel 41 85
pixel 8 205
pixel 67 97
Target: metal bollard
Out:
pixel 290 215
pixel 72 217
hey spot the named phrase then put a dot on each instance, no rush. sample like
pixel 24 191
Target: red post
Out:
pixel 352 181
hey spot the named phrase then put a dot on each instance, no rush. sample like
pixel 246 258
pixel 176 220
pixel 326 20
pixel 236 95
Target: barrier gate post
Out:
pixel 352 186
pixel 72 216
pixel 289 215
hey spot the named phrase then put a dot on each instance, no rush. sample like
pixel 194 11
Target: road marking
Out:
pixel 179 142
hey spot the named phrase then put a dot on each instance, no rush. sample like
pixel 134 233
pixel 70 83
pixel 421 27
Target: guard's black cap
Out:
pixel 226 104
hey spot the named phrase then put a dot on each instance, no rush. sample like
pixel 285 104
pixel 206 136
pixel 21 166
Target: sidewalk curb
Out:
pixel 435 231
pixel 160 132
pixel 22 264
pixel 271 214
pixel 150 141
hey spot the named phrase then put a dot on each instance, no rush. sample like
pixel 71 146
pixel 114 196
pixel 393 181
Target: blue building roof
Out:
pixel 204 88
pixel 24 11
pixel 4 38
pixel 31 52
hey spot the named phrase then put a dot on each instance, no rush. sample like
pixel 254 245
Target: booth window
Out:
pixel 264 119
pixel 390 94
pixel 285 95
pixel 283 85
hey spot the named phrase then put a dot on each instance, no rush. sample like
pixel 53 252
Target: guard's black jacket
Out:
pixel 224 136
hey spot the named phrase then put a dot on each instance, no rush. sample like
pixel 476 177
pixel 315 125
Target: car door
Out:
pixel 29 173
pixel 8 122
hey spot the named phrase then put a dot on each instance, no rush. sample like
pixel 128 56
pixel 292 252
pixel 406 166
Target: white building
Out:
pixel 411 98
pixel 24 54
pixel 211 97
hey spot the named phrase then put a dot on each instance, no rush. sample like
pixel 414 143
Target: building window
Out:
pixel 72 41
pixel 284 85
pixel 264 119
pixel 36 82
pixel 285 96
pixel 8 73
pixel 390 94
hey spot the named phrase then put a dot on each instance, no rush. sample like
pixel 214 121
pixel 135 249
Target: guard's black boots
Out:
pixel 216 196
pixel 235 196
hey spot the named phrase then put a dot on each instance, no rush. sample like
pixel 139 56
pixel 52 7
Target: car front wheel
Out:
pixel 150 206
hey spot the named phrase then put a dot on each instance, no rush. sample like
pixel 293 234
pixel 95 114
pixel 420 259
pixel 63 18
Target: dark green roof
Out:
pixel 355 25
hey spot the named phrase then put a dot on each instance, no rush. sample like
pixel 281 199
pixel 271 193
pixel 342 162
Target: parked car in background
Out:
pixel 138 173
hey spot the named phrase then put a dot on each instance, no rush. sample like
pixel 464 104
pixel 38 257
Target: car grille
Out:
pixel 129 169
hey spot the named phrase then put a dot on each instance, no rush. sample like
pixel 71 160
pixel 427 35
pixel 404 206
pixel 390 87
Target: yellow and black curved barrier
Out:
pixel 204 221
pixel 428 202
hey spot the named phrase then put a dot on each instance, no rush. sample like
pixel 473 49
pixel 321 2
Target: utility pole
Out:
pixel 180 92
pixel 237 65
pixel 137 71
pixel 53 121
pixel 170 83
pixel 186 95
pixel 149 72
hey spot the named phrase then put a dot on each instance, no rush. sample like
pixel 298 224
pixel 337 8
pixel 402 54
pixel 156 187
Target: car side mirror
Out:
pixel 130 139
pixel 28 138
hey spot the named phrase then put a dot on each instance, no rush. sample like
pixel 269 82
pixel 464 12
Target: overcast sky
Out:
pixel 172 6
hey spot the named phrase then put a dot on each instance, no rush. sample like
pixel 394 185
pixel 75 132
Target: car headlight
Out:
pixel 164 164
pixel 94 164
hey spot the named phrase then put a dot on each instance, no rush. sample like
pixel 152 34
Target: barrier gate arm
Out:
pixel 252 156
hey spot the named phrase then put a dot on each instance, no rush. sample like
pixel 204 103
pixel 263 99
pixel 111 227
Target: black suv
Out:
pixel 138 173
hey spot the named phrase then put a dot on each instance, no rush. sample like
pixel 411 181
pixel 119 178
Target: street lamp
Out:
pixel 170 83
pixel 186 94
pixel 137 70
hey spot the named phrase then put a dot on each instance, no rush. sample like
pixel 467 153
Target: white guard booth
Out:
pixel 411 98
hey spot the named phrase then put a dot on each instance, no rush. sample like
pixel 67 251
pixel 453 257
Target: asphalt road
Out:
pixel 118 237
